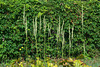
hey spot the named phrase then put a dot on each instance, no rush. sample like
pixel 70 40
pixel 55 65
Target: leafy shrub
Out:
pixel 32 63
pixel 12 29
pixel 48 63
pixel 72 63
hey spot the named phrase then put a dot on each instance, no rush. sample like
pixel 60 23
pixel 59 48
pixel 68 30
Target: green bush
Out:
pixel 12 28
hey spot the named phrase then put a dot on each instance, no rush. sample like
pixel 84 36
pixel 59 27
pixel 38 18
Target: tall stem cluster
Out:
pixel 58 36
pixel 71 38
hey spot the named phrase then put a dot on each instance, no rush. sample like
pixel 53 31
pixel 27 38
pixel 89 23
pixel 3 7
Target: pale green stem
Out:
pixel 40 30
pixel 26 35
pixel 62 31
pixel 82 18
pixel 36 35
pixel 82 29
pixel 69 41
pixel 58 37
pixel 63 42
pixel 63 25
pixel 72 36
pixel 84 47
pixel 59 25
pixel 48 34
pixel 40 23
pixel 33 27
pixel 44 35
pixel 24 15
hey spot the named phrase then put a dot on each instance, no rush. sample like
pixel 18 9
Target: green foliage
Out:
pixel 12 29
pixel 31 63
pixel 72 63
pixel 49 63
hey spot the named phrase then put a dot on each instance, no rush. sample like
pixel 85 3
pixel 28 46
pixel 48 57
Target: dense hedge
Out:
pixel 12 29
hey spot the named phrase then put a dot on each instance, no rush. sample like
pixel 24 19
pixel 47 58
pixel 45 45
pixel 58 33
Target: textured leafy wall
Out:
pixel 12 29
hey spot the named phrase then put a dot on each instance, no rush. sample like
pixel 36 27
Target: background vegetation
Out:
pixel 13 41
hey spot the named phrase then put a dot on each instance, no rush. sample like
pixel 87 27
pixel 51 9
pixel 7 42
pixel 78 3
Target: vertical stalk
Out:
pixel 82 29
pixel 63 25
pixel 25 23
pixel 44 36
pixel 59 25
pixel 58 37
pixel 72 31
pixel 40 23
pixel 48 33
pixel 72 38
pixel 69 41
pixel 36 35
pixel 24 15
pixel 26 28
pixel 33 27
pixel 26 35
pixel 62 31
pixel 63 42
pixel 40 32
pixel 84 48
pixel 82 18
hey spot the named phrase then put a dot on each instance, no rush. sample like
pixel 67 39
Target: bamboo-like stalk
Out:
pixel 33 28
pixel 57 34
pixel 72 31
pixel 26 40
pixel 44 36
pixel 58 31
pixel 36 35
pixel 58 37
pixel 40 30
pixel 63 25
pixel 25 23
pixel 82 18
pixel 48 33
pixel 84 48
pixel 69 41
pixel 40 23
pixel 24 15
pixel 26 35
pixel 62 32
pixel 26 28
pixel 59 26
pixel 72 38
pixel 63 42
pixel 82 29
pixel 48 30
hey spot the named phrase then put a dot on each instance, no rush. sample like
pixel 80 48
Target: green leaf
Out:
pixel 39 14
